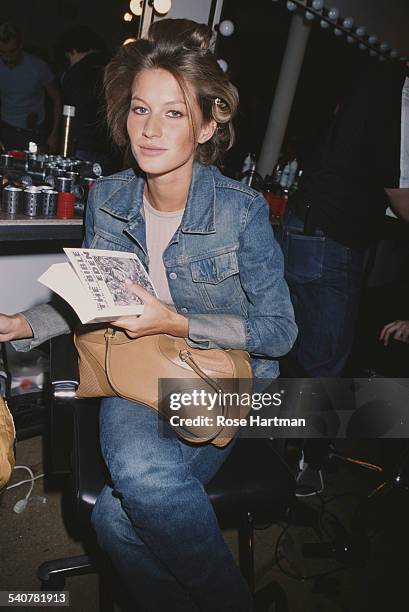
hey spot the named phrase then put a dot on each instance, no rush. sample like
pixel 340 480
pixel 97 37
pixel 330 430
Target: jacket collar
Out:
pixel 126 201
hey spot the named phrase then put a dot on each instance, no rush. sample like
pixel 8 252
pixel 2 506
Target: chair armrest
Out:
pixel 64 372
pixel 64 378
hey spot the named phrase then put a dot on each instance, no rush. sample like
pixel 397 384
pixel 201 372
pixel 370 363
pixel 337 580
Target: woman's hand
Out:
pixel 14 327
pixel 398 330
pixel 156 318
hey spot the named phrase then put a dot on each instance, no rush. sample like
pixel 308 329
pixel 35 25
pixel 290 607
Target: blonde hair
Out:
pixel 181 47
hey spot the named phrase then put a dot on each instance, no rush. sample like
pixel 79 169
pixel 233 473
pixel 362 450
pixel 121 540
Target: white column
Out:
pixel 284 95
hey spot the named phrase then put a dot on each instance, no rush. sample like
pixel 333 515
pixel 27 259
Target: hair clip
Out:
pixel 218 101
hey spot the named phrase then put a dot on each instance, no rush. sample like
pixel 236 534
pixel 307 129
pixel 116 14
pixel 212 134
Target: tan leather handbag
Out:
pixel 7 438
pixel 111 363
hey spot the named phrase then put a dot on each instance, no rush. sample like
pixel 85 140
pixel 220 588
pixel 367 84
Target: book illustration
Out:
pixel 93 283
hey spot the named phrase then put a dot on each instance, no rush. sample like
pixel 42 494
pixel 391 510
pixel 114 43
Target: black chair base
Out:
pixel 53 574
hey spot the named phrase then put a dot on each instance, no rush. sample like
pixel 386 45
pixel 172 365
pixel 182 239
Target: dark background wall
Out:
pixel 254 54
pixel 43 20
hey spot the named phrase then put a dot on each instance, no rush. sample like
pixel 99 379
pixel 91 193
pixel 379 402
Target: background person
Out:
pixel 338 212
pixel 82 87
pixel 24 80
pixel 198 233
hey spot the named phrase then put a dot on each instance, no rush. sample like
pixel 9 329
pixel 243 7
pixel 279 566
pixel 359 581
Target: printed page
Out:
pixel 103 274
pixel 62 279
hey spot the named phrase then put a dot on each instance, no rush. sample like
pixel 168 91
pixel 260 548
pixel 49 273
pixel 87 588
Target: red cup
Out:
pixel 65 205
pixel 277 204
pixel 17 153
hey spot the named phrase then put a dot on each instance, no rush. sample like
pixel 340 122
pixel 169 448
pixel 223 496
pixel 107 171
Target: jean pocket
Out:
pixel 304 257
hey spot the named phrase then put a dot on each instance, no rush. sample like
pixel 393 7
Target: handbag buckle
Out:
pixel 109 333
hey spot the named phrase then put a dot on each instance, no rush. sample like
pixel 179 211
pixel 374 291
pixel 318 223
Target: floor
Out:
pixel 39 533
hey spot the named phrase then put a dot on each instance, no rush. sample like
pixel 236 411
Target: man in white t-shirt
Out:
pixel 24 81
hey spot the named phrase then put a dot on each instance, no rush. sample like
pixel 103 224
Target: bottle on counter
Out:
pixel 248 162
pixel 68 114
pixel 296 183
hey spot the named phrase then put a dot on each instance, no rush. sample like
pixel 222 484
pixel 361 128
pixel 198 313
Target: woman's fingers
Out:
pixel 384 335
pixel 399 330
pixel 142 294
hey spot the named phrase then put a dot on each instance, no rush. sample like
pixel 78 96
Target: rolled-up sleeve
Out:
pixel 46 322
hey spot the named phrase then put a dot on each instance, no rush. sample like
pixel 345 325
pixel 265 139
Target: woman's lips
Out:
pixel 151 151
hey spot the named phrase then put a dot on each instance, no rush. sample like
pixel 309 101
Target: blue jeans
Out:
pixel 325 279
pixel 157 524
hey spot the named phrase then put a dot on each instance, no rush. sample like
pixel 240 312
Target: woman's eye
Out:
pixel 139 110
pixel 174 114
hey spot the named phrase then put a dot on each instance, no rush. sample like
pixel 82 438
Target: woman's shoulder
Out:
pixel 108 185
pixel 229 184
pixel 235 194
pixel 122 176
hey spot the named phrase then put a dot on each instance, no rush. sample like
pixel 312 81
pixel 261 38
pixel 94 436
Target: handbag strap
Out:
pixel 186 356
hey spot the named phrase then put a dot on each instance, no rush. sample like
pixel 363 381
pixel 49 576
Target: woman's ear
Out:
pixel 206 131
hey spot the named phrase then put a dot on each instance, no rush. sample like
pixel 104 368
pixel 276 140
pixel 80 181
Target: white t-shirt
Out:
pixel 160 227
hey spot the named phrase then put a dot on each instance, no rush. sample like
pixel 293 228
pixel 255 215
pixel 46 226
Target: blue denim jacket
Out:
pixel 224 267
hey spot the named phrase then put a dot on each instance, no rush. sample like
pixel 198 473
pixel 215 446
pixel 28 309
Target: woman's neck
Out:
pixel 168 192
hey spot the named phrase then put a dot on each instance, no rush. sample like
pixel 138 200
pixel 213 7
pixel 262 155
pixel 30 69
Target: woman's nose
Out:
pixel 152 127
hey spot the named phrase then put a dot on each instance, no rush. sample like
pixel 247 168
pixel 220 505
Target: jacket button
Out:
pixel 184 310
pixel 173 275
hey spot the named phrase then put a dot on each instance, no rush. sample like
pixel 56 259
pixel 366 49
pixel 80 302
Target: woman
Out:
pixel 210 252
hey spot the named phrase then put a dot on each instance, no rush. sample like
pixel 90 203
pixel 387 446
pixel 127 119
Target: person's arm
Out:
pixel 269 328
pixel 399 202
pixel 14 327
pixel 55 97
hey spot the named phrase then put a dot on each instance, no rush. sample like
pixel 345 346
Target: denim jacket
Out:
pixel 223 265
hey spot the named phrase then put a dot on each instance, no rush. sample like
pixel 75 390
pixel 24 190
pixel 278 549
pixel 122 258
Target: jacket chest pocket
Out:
pixel 217 278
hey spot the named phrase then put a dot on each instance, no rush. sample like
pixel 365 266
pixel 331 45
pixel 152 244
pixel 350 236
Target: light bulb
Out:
pixel 324 24
pixel 394 53
pixel 373 39
pixel 350 40
pixel 348 23
pixel 363 47
pixel 361 31
pixel 318 5
pixel 162 6
pixel 223 64
pixel 135 6
pixel 338 32
pixel 333 14
pixel 291 6
pixel 226 27
pixel 309 16
pixel 384 47
pixel 128 16
pixel 372 53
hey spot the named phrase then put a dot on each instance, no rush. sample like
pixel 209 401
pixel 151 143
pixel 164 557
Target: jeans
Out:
pixel 325 279
pixel 157 524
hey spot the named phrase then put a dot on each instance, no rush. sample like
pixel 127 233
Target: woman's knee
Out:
pixel 107 519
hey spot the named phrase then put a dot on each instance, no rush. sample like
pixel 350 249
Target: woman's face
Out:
pixel 159 126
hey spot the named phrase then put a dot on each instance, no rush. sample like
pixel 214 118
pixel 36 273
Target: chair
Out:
pixel 254 485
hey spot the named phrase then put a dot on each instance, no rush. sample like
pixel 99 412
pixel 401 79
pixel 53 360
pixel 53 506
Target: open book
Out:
pixel 93 283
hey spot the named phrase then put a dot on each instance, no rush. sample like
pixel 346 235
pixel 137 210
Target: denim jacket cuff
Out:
pixel 217 331
pixel 45 322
